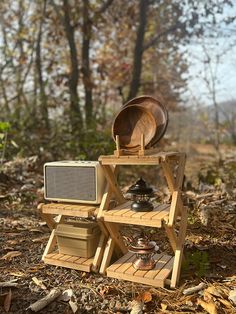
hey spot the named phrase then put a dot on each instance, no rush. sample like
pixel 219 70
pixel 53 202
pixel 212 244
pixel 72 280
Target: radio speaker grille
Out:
pixel 65 183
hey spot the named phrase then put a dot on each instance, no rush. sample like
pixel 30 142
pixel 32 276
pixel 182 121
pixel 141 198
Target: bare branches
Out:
pixel 104 6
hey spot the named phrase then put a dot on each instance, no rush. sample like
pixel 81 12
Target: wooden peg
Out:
pixel 117 142
pixel 142 142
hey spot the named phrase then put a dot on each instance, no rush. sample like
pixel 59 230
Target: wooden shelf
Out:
pixel 157 277
pixel 137 160
pixel 69 261
pixel 65 209
pixel 123 214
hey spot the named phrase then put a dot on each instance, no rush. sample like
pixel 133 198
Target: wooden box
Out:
pixel 78 238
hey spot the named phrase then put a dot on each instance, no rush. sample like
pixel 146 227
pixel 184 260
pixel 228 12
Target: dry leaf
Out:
pixel 164 306
pixel 66 295
pixel 10 255
pixel 41 239
pixel 36 230
pixel 212 290
pixel 209 307
pixel 207 296
pixel 226 303
pixel 7 301
pixel 74 305
pixel 104 291
pixel 136 307
pixel 232 296
pixel 145 297
pixel 39 283
pixel 12 242
pixel 17 274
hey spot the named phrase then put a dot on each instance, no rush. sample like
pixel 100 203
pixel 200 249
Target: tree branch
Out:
pixel 104 6
pixel 158 36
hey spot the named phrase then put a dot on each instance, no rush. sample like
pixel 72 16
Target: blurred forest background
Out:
pixel 67 66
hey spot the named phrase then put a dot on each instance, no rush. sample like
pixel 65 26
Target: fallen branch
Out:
pixel 197 288
pixel 199 196
pixel 40 304
pixel 9 284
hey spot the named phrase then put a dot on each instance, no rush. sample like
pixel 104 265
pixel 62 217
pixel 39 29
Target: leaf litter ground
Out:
pixel 210 255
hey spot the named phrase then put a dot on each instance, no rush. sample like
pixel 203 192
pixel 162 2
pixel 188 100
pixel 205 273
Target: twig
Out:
pixel 191 290
pixel 40 304
pixel 11 283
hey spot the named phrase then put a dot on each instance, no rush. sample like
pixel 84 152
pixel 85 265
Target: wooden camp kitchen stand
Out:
pixel 173 217
pixel 51 254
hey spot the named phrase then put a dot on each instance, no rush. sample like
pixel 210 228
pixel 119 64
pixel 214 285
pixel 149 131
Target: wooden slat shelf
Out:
pixel 123 214
pixel 137 160
pixel 78 210
pixel 123 269
pixel 68 261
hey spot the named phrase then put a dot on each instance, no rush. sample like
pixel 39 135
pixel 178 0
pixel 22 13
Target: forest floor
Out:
pixel 210 248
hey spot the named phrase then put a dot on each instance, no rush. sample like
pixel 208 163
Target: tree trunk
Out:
pixel 217 122
pixel 86 71
pixel 138 51
pixel 75 113
pixel 38 63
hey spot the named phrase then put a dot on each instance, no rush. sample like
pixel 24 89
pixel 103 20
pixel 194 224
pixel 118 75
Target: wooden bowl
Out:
pixel 157 109
pixel 130 123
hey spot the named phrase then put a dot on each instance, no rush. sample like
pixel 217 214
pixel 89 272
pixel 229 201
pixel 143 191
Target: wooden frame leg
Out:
pixel 171 236
pixel 116 236
pixel 99 253
pixel 179 250
pixel 109 249
pixel 176 209
pixel 111 179
pixel 176 268
pixel 52 242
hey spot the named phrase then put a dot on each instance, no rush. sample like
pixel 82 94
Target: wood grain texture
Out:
pixel 123 269
pixel 68 209
pixel 123 214
pixel 67 261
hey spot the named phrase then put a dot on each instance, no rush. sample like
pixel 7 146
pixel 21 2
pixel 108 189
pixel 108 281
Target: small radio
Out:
pixel 74 181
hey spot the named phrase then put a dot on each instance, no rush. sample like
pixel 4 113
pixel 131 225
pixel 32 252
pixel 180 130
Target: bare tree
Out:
pixel 38 64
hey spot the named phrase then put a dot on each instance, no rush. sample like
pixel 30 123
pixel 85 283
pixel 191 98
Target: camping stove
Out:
pixel 144 250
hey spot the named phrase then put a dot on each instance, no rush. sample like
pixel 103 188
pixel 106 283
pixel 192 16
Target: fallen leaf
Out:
pixel 66 295
pixel 209 307
pixel 164 306
pixel 136 307
pixel 225 303
pixel 104 291
pixel 9 256
pixel 207 296
pixel 41 239
pixel 7 301
pixel 12 242
pixel 39 283
pixel 4 196
pixel 232 296
pixel 74 305
pixel 36 230
pixel 214 291
pixel 17 274
pixel 145 297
